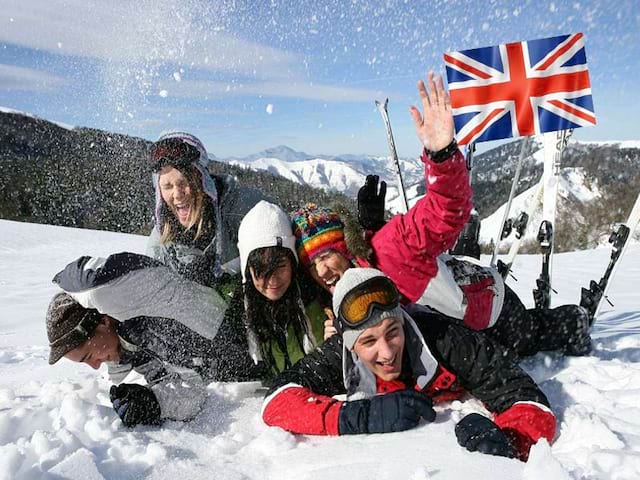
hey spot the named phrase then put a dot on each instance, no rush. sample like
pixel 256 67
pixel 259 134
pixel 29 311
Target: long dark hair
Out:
pixel 270 320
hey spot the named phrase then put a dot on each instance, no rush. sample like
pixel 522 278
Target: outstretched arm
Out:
pixel 407 246
pixel 127 285
pixel 520 408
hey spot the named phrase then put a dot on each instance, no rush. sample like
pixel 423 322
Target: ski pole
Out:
pixel 382 108
pixel 514 184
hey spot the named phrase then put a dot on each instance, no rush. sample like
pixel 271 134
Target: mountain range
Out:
pixel 86 177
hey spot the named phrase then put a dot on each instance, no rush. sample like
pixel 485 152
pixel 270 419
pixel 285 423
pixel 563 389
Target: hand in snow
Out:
pixel 135 404
pixel 479 434
pixel 435 125
pixel 391 412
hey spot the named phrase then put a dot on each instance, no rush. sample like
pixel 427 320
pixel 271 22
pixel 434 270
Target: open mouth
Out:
pixel 388 366
pixel 182 211
pixel 331 284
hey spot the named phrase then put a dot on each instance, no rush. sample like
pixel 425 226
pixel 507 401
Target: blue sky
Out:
pixel 248 75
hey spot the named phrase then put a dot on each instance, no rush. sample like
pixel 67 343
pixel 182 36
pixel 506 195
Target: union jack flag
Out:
pixel 520 88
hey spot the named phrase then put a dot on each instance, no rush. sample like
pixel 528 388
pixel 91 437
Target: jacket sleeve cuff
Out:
pixel 454 162
pixel 299 410
pixel 181 397
pixel 525 423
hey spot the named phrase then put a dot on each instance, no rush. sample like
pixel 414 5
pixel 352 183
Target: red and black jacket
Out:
pixel 300 399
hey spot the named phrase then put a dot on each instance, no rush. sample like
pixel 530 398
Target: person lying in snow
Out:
pixel 411 247
pixel 393 366
pixel 133 313
pixel 459 287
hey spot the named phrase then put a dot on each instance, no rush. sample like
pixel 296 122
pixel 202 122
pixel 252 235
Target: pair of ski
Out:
pixel 546 191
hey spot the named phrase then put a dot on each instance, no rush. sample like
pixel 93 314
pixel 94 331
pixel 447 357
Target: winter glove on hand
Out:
pixel 135 404
pixel 392 412
pixel 479 434
pixel 371 204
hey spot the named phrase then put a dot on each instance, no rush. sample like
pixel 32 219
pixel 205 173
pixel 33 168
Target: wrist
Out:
pixel 441 155
pixel 353 418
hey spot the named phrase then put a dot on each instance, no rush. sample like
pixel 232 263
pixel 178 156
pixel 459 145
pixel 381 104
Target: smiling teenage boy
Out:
pixel 392 366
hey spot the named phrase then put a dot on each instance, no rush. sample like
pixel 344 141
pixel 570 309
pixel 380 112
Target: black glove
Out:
pixel 479 434
pixel 371 203
pixel 392 412
pixel 135 404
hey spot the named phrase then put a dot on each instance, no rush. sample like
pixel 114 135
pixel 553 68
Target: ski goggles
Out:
pixel 174 152
pixel 357 305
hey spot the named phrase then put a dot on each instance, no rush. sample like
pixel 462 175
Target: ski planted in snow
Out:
pixel 519 224
pixel 382 108
pixel 506 224
pixel 591 298
pixel 553 143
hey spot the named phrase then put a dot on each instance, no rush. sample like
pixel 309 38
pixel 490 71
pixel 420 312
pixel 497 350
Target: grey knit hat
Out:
pixel 352 278
pixel 69 325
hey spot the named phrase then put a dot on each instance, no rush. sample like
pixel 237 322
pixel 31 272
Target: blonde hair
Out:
pixel 196 215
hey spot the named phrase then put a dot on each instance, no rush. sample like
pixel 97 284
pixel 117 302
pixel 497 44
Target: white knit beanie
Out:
pixel 265 225
pixel 351 279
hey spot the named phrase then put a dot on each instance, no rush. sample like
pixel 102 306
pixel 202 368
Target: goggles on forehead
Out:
pixel 85 328
pixel 173 151
pixel 357 305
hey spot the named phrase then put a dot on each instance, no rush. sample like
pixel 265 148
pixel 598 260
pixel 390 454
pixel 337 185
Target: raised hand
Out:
pixel 434 125
pixel 371 203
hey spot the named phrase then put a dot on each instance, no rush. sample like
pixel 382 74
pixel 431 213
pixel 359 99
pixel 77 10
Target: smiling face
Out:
pixel 177 193
pixel 327 268
pixel 380 348
pixel 103 346
pixel 275 285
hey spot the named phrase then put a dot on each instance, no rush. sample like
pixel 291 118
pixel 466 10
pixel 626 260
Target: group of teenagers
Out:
pixel 354 323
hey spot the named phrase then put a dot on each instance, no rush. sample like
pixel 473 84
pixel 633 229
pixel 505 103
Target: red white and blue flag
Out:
pixel 520 88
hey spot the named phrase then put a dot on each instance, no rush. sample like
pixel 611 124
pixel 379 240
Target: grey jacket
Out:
pixel 230 204
pixel 172 330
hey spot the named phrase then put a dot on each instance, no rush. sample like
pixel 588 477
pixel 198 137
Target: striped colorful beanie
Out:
pixel 317 229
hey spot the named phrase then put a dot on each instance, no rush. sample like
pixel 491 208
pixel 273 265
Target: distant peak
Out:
pixel 281 152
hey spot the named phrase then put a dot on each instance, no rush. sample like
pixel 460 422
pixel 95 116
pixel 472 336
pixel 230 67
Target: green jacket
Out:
pixel 295 351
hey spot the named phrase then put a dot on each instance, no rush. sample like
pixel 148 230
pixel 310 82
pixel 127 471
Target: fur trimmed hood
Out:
pixel 358 239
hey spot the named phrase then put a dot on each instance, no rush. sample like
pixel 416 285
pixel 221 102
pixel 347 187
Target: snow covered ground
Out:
pixel 56 422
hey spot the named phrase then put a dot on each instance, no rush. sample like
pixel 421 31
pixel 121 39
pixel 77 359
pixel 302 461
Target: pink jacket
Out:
pixel 410 250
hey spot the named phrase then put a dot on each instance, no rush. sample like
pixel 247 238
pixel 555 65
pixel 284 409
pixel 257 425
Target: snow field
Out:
pixel 57 421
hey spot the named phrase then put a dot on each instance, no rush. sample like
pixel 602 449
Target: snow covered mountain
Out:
pixel 343 173
pixel 599 181
pixel 53 174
